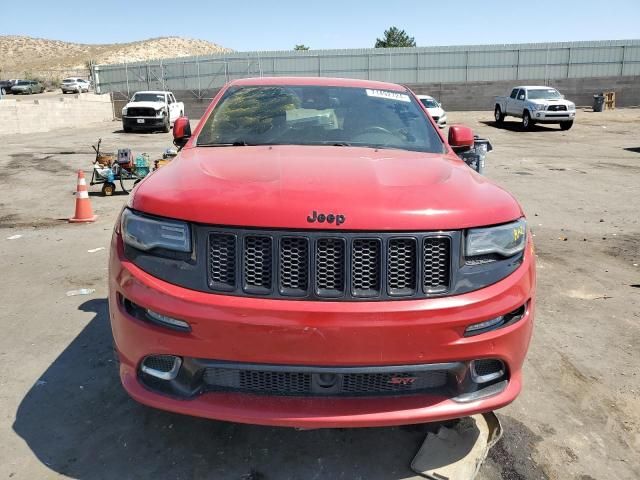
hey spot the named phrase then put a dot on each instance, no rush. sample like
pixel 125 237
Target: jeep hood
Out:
pixel 280 186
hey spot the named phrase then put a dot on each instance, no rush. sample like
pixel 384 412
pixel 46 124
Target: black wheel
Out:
pixel 566 125
pixel 498 115
pixel 3 91
pixel 527 123
pixel 126 129
pixel 166 125
pixel 108 189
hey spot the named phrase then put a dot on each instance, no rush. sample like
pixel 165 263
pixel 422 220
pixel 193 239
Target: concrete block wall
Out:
pixel 49 113
pixel 480 95
pixel 471 95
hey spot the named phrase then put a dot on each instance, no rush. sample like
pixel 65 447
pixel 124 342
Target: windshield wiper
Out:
pixel 237 143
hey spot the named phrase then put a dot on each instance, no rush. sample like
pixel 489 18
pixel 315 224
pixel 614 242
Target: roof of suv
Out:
pixel 319 81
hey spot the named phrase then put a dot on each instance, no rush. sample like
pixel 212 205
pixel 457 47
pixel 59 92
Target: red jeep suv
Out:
pixel 319 256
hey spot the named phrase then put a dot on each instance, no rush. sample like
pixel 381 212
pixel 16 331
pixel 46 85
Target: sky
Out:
pixel 279 25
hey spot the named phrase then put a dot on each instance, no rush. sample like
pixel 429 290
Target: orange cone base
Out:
pixel 81 220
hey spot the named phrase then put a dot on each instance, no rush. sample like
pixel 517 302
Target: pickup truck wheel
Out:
pixel 566 125
pixel 126 129
pixel 3 91
pixel 166 126
pixel 527 123
pixel 499 116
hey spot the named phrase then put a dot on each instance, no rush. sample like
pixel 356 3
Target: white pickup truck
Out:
pixel 536 105
pixel 151 110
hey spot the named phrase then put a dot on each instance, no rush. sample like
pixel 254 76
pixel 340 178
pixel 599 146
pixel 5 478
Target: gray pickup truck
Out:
pixel 536 105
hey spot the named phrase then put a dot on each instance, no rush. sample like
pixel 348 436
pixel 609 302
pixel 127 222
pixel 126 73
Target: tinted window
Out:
pixel 429 103
pixel 148 97
pixel 546 93
pixel 514 93
pixel 319 115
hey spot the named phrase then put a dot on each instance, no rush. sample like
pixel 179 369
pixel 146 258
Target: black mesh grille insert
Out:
pixel 294 266
pixel 161 363
pixel 365 267
pixel 325 265
pixel 283 383
pixel 257 265
pixel 487 367
pixel 222 261
pixel 401 266
pixel 330 263
pixel 436 263
pixel 141 112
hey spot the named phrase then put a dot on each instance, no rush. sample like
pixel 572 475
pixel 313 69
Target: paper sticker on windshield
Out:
pixel 388 95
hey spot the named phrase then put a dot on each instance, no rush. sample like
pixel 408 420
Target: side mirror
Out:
pixel 460 138
pixel 181 131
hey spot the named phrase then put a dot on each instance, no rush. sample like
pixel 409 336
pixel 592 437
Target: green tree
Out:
pixel 394 37
pixel 301 47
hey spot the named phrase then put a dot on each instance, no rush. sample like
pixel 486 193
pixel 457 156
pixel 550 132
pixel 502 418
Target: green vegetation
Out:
pixel 301 47
pixel 394 37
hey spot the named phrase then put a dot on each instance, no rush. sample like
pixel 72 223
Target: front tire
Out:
pixel 126 129
pixel 527 123
pixel 3 91
pixel 498 115
pixel 166 126
pixel 566 125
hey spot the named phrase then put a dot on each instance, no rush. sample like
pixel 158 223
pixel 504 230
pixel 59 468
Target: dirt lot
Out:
pixel 63 412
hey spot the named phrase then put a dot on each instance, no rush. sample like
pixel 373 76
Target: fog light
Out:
pixel 167 321
pixel 164 367
pixel 476 327
pixel 538 115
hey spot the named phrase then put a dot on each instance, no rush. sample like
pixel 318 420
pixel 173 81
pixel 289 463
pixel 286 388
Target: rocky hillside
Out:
pixel 42 57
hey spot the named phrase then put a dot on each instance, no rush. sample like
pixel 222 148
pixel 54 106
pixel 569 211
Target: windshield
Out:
pixel 148 97
pixel 68 80
pixel 543 94
pixel 429 102
pixel 319 115
pixel 23 82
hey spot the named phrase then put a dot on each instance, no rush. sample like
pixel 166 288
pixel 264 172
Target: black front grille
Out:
pixel 366 261
pixel 401 266
pixel 258 263
pixel 141 112
pixel 325 266
pixel 330 264
pixel 557 108
pixel 300 383
pixel 222 262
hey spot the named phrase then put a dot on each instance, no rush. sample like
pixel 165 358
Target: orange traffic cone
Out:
pixel 84 212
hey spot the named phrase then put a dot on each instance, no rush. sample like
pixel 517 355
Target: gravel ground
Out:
pixel 64 414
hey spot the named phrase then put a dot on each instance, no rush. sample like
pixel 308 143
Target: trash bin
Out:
pixel 598 103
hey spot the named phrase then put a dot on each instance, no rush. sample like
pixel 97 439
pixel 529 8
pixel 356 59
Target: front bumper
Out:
pixel 544 116
pixel 147 122
pixel 318 334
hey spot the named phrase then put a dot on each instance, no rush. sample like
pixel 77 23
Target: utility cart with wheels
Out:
pixel 109 168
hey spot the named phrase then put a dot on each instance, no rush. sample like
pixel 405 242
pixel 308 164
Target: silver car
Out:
pixel 75 85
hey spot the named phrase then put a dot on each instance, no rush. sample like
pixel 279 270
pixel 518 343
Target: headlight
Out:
pixel 124 112
pixel 505 240
pixel 160 111
pixel 146 233
pixel 571 106
pixel 535 106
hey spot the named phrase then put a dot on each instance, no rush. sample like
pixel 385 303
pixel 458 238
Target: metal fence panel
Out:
pixel 450 64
